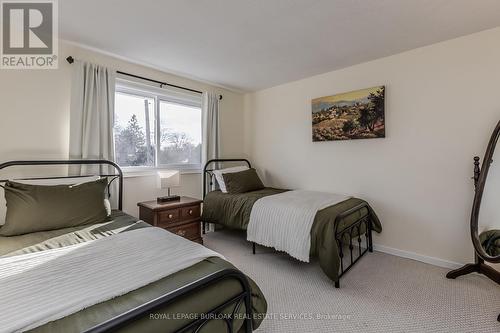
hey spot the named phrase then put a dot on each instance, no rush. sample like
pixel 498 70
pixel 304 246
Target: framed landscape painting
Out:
pixel 357 114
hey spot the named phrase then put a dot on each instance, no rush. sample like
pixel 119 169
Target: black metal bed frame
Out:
pixel 113 177
pixel 344 237
pixel 348 234
pixel 127 318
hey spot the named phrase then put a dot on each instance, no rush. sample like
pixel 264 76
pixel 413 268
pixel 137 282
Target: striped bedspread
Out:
pixel 40 287
pixel 284 220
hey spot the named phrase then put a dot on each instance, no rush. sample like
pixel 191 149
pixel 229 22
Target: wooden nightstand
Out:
pixel 182 217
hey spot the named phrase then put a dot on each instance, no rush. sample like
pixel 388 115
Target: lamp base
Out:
pixel 168 198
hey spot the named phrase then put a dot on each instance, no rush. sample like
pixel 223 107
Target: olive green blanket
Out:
pixel 233 211
pixel 166 319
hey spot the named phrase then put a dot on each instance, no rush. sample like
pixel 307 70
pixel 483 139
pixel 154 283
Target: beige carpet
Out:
pixel 382 293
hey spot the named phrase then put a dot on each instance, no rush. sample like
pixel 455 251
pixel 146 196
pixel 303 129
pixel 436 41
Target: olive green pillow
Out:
pixel 32 208
pixel 241 182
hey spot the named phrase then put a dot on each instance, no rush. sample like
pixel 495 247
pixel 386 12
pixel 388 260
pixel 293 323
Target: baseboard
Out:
pixel 415 256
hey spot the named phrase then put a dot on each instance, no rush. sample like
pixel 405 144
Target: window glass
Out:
pixel 134 130
pixel 157 130
pixel 180 134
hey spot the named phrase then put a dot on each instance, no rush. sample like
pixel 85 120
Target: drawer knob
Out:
pixel 190 212
pixel 181 233
pixel 170 216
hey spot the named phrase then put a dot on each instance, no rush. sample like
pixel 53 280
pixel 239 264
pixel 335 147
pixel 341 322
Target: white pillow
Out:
pixel 218 175
pixel 50 182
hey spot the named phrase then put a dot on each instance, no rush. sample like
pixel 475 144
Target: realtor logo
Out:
pixel 29 34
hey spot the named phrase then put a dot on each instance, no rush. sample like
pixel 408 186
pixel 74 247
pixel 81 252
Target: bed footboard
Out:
pixel 344 238
pixel 243 298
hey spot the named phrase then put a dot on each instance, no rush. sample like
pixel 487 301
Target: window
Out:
pixel 157 129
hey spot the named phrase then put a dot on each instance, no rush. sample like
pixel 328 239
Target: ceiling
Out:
pixel 249 45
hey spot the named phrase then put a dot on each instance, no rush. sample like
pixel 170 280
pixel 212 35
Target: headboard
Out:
pixel 215 164
pixel 118 174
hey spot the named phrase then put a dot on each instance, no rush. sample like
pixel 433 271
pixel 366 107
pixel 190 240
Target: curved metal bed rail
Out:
pixel 245 296
pixel 118 176
pixel 347 234
pixel 209 172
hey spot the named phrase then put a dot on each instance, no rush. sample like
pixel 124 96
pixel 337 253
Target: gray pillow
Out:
pixel 32 208
pixel 241 182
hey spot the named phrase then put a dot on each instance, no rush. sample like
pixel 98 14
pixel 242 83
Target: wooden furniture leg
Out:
pixel 478 267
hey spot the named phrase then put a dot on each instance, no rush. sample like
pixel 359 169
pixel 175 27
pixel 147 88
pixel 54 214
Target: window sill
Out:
pixel 153 172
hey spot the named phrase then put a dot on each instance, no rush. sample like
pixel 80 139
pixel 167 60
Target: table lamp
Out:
pixel 168 179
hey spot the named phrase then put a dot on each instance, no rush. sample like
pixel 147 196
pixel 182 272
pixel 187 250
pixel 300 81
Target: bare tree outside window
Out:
pixel 134 139
pixel 152 132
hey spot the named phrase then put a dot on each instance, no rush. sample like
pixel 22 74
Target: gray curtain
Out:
pixel 92 116
pixel 210 131
pixel 210 127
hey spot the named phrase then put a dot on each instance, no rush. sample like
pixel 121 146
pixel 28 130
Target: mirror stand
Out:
pixel 479 265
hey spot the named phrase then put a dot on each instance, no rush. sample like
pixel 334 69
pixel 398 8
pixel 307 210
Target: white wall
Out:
pixel 442 102
pixel 34 117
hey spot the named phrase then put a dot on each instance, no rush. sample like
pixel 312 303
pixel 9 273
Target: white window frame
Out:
pixel 160 95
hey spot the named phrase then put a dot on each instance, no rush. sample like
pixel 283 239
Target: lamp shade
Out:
pixel 168 178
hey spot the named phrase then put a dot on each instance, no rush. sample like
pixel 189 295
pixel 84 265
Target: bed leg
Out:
pixel 337 284
pixel 204 226
pixel 370 240
pixel 253 247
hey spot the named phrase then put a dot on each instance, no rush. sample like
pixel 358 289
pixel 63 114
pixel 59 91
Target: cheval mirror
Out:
pixel 485 217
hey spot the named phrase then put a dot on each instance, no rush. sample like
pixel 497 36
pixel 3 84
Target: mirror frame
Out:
pixel 478 196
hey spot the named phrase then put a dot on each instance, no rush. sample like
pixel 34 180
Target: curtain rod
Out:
pixel 71 60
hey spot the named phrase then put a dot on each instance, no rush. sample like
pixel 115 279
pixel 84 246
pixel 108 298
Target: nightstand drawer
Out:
pixel 189 230
pixel 169 216
pixel 191 212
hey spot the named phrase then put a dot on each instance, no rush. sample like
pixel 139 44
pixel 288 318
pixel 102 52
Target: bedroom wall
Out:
pixel 442 102
pixel 34 117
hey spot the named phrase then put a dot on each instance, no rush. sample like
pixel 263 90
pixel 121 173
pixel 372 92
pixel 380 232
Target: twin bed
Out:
pixel 339 236
pixel 210 295
pixel 121 274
